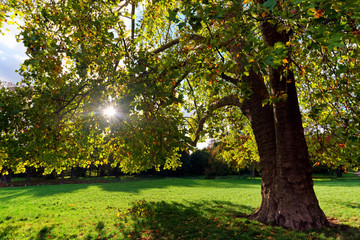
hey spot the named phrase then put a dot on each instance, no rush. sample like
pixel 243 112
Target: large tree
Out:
pixel 214 59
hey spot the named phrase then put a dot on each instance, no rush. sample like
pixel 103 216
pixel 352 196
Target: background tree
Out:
pixel 218 165
pixel 240 149
pixel 199 161
pixel 211 58
pixel 330 93
pixel 13 126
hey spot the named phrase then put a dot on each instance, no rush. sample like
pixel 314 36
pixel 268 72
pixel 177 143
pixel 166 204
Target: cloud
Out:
pixel 9 40
pixel 20 58
pixel 203 145
pixel 12 54
pixel 7 69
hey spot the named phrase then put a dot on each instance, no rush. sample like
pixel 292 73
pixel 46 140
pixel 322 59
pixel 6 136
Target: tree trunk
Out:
pixel 72 173
pixel 117 171
pixel 288 198
pixel 339 171
pixel 28 174
pixel 252 170
pixel 6 178
pixel 62 175
pixel 330 173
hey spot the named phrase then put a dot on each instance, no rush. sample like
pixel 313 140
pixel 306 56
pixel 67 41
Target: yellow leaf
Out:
pixel 285 61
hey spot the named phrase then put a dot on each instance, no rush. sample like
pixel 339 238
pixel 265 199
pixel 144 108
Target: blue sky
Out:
pixel 12 54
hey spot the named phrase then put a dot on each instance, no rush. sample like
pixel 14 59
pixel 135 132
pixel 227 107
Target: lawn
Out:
pixel 165 208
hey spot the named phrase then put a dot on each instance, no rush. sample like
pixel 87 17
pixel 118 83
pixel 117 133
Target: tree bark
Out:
pixel 62 176
pixel 72 173
pixel 28 174
pixel 339 171
pixel 6 178
pixel 288 198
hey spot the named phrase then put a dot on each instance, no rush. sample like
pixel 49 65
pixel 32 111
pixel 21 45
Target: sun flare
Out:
pixel 110 112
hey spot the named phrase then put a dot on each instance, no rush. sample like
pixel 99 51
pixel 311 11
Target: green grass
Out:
pixel 164 209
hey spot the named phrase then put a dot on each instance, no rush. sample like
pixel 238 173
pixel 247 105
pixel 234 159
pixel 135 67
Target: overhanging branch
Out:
pixel 132 21
pixel 176 41
pixel 232 100
pixel 177 83
pixel 229 79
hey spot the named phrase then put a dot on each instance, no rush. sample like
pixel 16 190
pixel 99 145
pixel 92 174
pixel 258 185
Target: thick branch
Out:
pixel 72 98
pixel 232 100
pixel 176 41
pixel 180 80
pixel 229 79
pixel 123 6
pixel 166 46
pixel 132 21
pixel 195 104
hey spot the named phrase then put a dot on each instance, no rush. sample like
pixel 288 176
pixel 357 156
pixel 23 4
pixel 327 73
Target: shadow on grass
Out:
pixel 10 194
pixel 210 220
pixel 131 184
pixel 348 180
pixel 127 185
pixel 7 231
pixel 348 204
pixel 45 233
pixel 163 183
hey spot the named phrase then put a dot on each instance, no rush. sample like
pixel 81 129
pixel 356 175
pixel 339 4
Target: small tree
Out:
pixel 218 165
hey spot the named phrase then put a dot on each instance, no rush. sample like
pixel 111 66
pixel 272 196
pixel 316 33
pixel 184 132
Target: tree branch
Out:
pixel 72 98
pixel 176 41
pixel 132 21
pixel 208 28
pixel 123 6
pixel 231 100
pixel 195 104
pixel 229 79
pixel 180 80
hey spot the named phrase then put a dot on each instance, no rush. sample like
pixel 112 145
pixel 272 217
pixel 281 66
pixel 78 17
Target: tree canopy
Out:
pixel 180 71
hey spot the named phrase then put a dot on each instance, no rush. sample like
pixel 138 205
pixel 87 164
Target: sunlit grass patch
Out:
pixel 189 208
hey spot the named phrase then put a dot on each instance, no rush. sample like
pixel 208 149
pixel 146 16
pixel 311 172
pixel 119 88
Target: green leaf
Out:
pixel 181 25
pixel 172 15
pixel 269 60
pixel 298 1
pixel 270 4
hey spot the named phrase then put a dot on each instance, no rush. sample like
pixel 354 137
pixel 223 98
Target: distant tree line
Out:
pixel 200 162
pixel 207 162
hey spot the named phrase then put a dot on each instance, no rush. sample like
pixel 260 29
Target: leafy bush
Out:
pixel 199 161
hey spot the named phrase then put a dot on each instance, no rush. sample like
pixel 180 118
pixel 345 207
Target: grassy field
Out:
pixel 170 208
